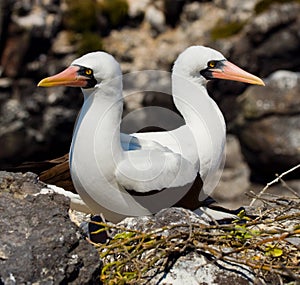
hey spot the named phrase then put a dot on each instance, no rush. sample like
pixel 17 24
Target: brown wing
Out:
pixel 58 173
pixel 54 171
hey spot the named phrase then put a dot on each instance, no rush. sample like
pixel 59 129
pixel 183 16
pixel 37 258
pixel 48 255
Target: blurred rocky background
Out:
pixel 41 37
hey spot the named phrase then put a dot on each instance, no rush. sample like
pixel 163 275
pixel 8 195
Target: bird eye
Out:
pixel 88 71
pixel 211 64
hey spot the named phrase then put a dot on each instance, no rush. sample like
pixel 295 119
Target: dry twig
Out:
pixel 266 244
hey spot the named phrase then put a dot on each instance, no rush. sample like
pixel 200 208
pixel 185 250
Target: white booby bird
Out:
pixel 202 139
pixel 160 170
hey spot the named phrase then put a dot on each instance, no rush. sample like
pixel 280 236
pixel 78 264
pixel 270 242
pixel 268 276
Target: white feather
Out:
pixel 147 170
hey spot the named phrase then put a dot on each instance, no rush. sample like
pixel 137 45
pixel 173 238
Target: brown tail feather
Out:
pixel 54 171
pixel 59 173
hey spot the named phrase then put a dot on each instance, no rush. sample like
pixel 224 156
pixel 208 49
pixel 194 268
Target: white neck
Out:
pixel 97 138
pixel 98 125
pixel 204 119
pixel 96 151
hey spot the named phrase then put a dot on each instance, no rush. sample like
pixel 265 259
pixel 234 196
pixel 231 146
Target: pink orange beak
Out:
pixel 229 71
pixel 68 77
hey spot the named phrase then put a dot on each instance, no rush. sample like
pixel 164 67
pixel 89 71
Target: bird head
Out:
pixel 86 72
pixel 201 64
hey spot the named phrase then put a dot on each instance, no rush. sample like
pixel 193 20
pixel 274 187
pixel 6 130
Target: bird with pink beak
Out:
pixel 111 171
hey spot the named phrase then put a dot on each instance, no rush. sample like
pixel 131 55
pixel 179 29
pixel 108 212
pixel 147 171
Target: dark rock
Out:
pixel 12 56
pixel 173 10
pixel 271 146
pixel 29 118
pixel 31 27
pixel 31 122
pixel 280 96
pixel 270 41
pixel 39 243
pixel 268 125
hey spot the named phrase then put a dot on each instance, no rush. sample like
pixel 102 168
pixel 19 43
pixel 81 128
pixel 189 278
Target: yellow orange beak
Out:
pixel 230 71
pixel 68 77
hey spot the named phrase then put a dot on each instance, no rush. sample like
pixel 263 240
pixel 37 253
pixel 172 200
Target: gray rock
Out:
pixel 155 18
pixel 137 7
pixel 268 125
pixel 61 44
pixel 5 82
pixel 237 10
pixel 193 269
pixel 280 96
pixel 270 41
pixel 39 243
pixel 191 12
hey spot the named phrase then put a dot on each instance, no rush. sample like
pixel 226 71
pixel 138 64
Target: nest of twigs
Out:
pixel 266 239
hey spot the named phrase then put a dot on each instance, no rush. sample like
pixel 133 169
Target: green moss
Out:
pixel 225 30
pixel 81 15
pixel 82 20
pixel 115 10
pixel 263 5
pixel 89 42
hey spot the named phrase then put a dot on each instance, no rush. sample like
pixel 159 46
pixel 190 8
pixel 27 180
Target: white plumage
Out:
pixel 105 164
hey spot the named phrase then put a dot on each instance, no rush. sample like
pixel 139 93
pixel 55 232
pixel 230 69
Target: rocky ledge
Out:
pixel 40 244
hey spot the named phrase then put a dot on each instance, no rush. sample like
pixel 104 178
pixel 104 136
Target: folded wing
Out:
pixel 147 170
